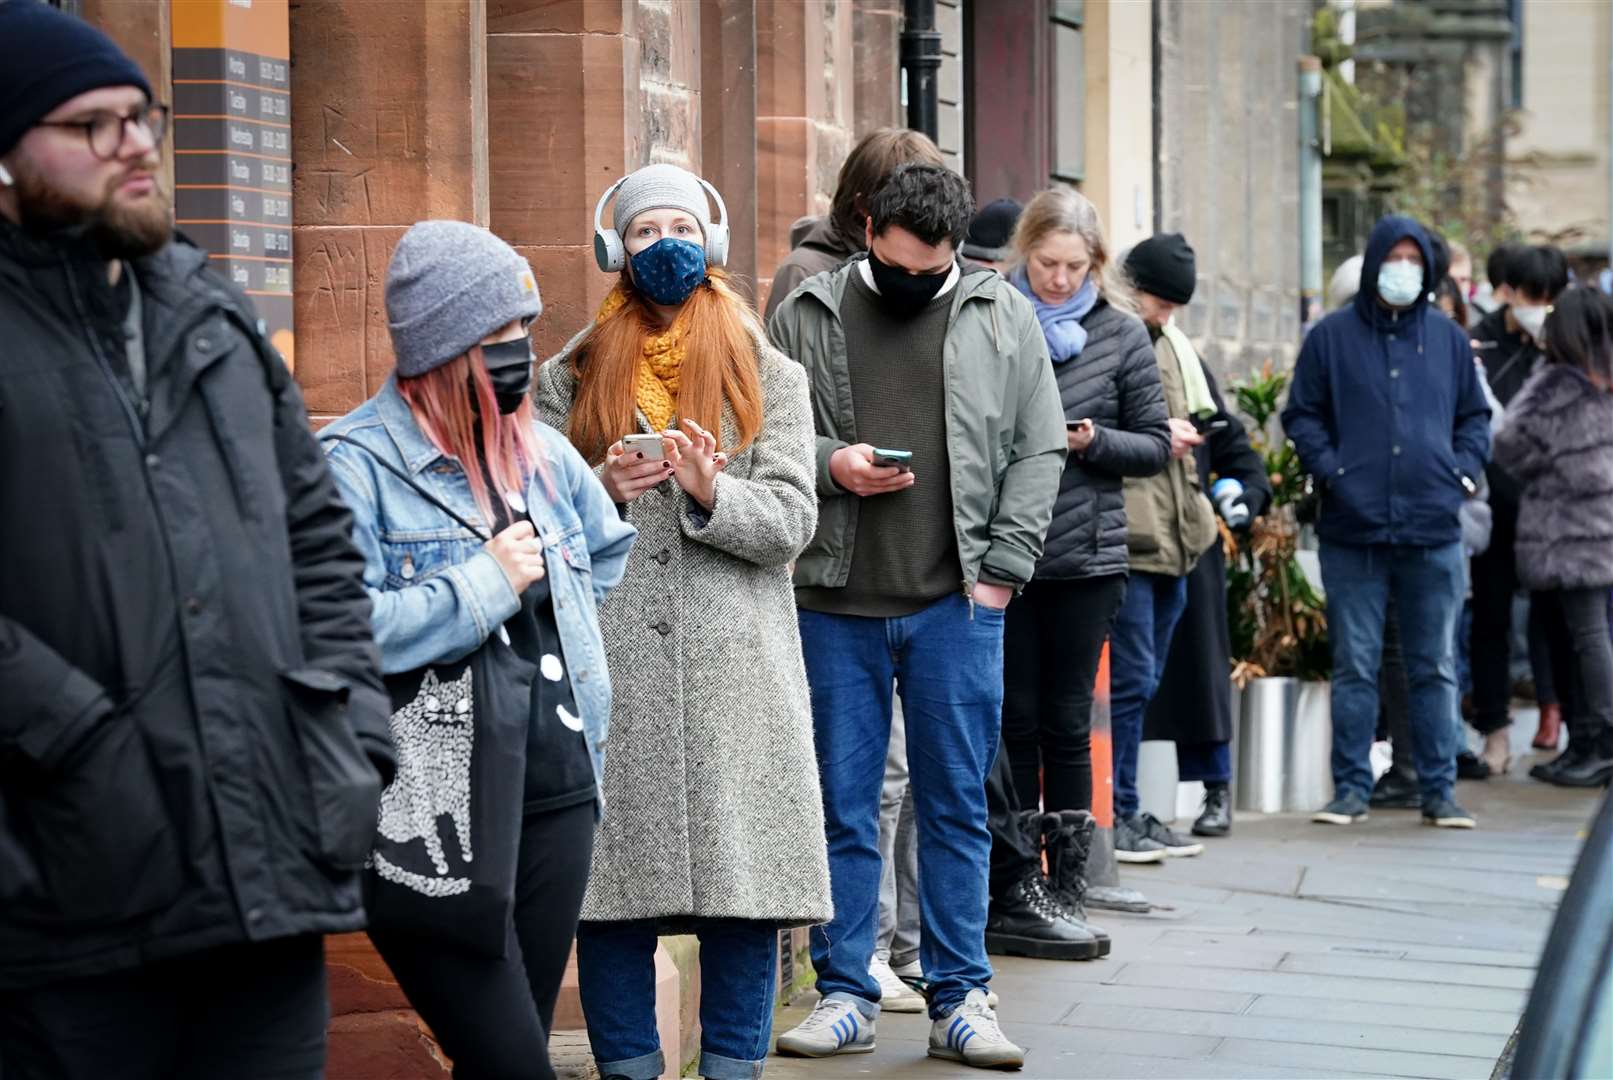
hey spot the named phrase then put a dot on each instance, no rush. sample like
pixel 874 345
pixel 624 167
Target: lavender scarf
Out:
pixel 1061 323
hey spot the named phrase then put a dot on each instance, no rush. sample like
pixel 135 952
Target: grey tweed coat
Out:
pixel 713 808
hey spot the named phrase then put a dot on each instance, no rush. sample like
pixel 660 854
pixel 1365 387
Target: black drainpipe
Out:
pixel 921 65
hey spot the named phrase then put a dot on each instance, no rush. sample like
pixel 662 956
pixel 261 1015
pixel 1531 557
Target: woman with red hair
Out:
pixel 480 528
pixel 703 436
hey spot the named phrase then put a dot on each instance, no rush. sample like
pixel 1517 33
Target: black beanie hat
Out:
pixel 991 230
pixel 48 57
pixel 1163 266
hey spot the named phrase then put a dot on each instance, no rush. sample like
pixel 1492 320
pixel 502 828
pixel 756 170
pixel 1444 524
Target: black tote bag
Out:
pixel 445 853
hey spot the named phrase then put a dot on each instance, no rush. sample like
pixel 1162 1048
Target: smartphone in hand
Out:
pixel 650 446
pixel 894 459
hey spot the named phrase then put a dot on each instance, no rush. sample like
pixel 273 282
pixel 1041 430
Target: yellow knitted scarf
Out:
pixel 655 390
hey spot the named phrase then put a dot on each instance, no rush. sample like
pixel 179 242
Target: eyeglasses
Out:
pixel 106 131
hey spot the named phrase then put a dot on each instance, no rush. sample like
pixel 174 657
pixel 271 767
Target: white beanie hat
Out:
pixel 662 187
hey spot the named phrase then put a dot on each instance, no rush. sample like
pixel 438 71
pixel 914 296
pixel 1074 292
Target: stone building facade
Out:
pixel 1227 171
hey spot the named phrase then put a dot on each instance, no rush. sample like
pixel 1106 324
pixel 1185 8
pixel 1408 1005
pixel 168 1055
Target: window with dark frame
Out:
pixel 1069 91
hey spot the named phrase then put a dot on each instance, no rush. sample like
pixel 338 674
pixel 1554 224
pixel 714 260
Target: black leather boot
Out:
pixel 1216 818
pixel 1586 770
pixel 1028 921
pixel 1067 836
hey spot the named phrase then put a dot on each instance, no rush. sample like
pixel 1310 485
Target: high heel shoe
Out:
pixel 1551 723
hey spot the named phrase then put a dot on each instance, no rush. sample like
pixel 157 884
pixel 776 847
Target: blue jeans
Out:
pixel 947 661
pixel 1426 583
pixel 1210 762
pixel 1139 643
pixel 738 977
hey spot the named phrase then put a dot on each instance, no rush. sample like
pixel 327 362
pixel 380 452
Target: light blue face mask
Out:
pixel 1400 283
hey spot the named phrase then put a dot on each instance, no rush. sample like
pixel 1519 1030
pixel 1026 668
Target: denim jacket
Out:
pixel 437 594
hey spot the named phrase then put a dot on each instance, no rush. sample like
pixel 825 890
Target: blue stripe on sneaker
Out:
pixel 952 1032
pixel 964 1044
pixel 856 1028
pixel 842 1027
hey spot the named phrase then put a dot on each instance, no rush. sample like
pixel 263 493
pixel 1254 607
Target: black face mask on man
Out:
pixel 901 293
pixel 509 367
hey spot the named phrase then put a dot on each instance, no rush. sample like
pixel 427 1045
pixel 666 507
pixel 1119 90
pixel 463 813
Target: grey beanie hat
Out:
pixel 449 285
pixel 661 187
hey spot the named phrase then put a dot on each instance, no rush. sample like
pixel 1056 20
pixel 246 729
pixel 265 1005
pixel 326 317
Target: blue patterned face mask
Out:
pixel 669 270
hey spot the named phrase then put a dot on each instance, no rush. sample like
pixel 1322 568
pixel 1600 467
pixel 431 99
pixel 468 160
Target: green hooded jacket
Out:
pixel 1004 425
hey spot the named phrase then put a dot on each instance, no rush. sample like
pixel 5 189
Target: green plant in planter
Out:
pixel 1278 622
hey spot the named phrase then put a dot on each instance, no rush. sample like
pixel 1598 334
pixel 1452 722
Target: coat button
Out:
pixel 582 676
pixel 194 606
pixel 152 461
pixel 255 916
pixel 663 556
pixel 1394 373
pixel 1396 451
pixel 663 628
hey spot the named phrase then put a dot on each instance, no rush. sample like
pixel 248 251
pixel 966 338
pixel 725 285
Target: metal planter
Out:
pixel 1284 746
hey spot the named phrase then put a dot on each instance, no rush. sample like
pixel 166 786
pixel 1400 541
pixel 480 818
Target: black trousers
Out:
pixel 1575 623
pixel 1495 583
pixel 492 1017
pixel 1013 853
pixel 247 1012
pixel 1052 642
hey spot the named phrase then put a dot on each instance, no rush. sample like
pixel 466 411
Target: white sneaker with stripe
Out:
pixel 970 1034
pixel 835 1027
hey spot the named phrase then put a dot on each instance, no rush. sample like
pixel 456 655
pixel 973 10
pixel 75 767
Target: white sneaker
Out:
pixel 912 973
pixel 895 995
pixel 835 1027
pixel 971 1035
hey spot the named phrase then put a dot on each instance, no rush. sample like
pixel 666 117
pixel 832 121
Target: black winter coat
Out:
pixel 1194 700
pixel 1509 359
pixel 1557 441
pixel 193 716
pixel 1115 381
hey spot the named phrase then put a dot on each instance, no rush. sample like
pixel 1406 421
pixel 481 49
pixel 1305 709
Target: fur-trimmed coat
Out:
pixel 1557 442
pixel 713 807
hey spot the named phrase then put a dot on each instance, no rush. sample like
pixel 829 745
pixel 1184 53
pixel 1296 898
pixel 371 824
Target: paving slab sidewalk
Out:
pixel 1293 950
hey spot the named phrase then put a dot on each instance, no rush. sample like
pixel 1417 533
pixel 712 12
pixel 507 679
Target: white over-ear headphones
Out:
pixel 7 181
pixel 611 255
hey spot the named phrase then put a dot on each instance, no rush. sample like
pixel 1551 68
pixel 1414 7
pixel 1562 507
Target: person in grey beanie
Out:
pixel 480 527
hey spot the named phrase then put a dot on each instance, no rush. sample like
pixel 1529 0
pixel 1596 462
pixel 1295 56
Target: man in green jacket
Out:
pixel 940 445
pixel 1170 523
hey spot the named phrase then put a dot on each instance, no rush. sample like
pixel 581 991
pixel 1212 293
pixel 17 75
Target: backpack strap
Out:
pixel 409 480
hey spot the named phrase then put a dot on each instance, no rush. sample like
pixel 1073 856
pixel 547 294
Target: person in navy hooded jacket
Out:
pixel 1387 413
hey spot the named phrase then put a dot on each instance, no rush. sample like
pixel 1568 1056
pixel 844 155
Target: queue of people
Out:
pixel 631 619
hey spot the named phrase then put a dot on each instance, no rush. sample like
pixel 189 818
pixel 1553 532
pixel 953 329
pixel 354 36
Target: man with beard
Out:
pixel 194 729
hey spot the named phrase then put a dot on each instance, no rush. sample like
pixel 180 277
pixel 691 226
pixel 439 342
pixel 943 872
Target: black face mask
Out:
pixel 902 294
pixel 509 366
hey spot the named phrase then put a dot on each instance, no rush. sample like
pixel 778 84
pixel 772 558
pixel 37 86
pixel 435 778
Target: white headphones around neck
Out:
pixel 611 255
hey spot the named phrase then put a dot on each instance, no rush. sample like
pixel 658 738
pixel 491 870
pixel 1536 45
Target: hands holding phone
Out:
pixel 630 472
pixel 696 462
pixel 1078 434
pixel 853 468
pixel 1184 437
